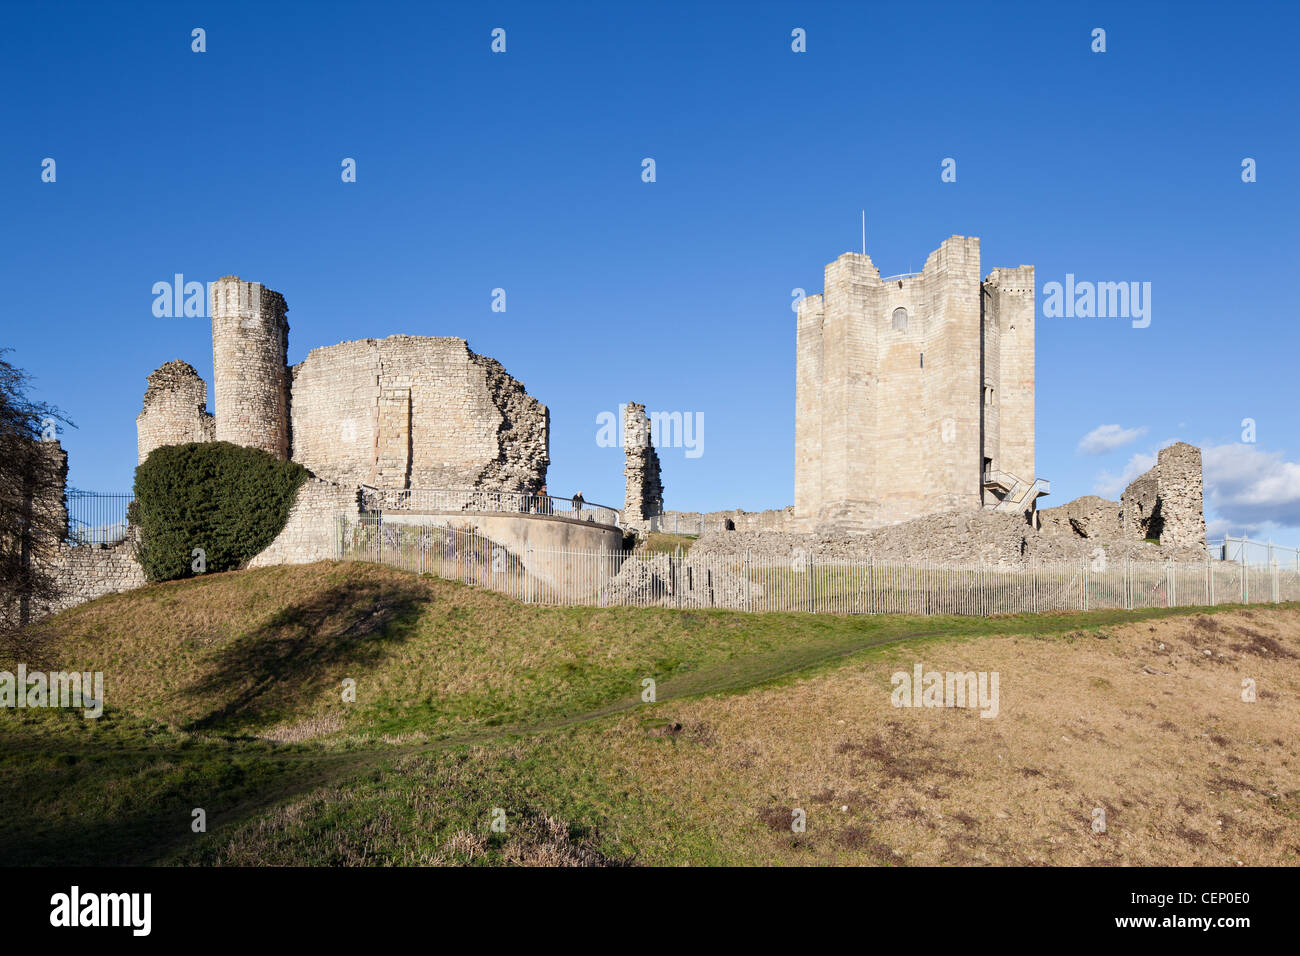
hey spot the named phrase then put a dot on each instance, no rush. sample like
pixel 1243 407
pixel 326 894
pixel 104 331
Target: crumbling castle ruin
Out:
pixel 399 412
pixel 1163 506
pixel 914 438
pixel 1167 503
pixel 915 393
pixel 644 495
pixel 175 409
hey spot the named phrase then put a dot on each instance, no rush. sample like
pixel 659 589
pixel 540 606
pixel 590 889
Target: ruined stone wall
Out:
pixel 1168 501
pixel 889 389
pixel 644 492
pixel 1085 517
pixel 957 538
pixel 87 572
pixel 691 522
pixel 311 531
pixel 523 436
pixel 413 411
pixel 53 506
pixel 1182 496
pixel 1140 508
pixel 250 345
pixel 175 410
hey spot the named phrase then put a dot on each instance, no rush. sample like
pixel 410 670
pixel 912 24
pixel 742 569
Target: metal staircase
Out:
pixel 1013 493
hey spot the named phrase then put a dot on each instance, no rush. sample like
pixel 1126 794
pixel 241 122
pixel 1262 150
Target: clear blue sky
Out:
pixel 523 171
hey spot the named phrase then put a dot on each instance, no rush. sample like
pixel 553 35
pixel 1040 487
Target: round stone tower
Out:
pixel 250 345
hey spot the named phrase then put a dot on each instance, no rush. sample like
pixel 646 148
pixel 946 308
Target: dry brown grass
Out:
pixel 1186 771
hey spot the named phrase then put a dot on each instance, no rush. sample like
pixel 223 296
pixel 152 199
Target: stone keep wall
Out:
pixel 1086 517
pixel 905 387
pixel 644 492
pixel 410 411
pixel 1168 501
pixel 311 531
pixel 175 410
pixel 1007 297
pixel 250 345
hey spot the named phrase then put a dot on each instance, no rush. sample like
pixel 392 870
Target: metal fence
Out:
pixel 1255 553
pixel 438 501
pixel 95 518
pixel 753 583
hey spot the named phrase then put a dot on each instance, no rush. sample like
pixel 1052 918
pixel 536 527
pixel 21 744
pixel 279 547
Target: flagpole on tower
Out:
pixel 864 232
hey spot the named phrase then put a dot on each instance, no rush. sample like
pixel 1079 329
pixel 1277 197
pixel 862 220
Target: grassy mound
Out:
pixel 225 692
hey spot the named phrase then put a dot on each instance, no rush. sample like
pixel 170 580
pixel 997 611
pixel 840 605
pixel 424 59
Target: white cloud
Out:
pixel 1250 490
pixel 1110 485
pixel 1106 438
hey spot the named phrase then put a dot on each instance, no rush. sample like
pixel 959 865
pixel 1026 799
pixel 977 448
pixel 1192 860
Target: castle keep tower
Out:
pixel 915 393
pixel 250 344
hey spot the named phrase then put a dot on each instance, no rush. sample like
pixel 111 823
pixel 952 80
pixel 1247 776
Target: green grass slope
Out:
pixel 225 694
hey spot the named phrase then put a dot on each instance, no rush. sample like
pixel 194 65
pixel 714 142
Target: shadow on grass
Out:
pixel 121 809
pixel 306 650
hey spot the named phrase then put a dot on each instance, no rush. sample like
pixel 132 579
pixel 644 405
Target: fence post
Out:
pixel 528 559
pixel 1083 585
pixel 1276 582
pixel 1209 584
pixel 1245 586
pixel 749 583
pixel 871 584
pixel 812 590
pixel 676 578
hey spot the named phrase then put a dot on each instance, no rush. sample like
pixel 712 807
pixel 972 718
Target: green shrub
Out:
pixel 229 500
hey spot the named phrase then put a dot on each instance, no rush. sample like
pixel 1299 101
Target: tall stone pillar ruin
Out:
pixel 250 345
pixel 644 496
pixel 1167 504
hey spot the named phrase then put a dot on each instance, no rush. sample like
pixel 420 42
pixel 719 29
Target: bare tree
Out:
pixel 33 515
